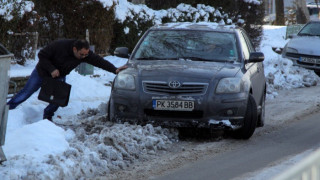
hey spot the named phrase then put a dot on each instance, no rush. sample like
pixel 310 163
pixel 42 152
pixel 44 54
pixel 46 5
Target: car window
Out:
pixel 188 45
pixel 311 29
pixel 248 42
pixel 244 45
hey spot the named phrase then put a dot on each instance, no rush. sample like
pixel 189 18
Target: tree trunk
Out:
pixel 279 12
pixel 302 12
pixel 317 2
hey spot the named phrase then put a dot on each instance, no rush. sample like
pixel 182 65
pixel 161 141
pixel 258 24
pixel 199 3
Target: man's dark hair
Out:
pixel 81 43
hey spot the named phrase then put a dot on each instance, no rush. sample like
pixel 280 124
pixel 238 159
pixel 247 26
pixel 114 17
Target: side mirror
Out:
pixel 256 57
pixel 122 52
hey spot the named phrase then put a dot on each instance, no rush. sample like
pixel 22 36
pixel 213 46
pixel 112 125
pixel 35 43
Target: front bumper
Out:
pixel 310 62
pixel 217 111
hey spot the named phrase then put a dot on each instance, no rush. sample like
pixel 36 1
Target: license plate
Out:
pixel 310 60
pixel 173 105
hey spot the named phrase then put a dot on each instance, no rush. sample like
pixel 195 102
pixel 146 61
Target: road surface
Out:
pixel 255 154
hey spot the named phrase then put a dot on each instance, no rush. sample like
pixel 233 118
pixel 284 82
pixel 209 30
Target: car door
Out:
pixel 255 69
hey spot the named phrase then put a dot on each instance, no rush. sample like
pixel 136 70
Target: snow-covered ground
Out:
pixel 79 143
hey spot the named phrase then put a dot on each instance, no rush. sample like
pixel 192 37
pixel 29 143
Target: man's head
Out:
pixel 81 49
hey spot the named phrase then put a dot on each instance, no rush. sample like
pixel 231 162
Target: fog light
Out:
pixel 121 108
pixel 230 112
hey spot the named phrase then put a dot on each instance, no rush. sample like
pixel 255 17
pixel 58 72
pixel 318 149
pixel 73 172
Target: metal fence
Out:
pixel 307 169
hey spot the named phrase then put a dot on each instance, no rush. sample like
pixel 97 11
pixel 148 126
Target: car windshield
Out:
pixel 187 45
pixel 311 29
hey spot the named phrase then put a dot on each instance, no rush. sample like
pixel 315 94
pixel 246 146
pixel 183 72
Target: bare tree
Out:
pixel 279 12
pixel 317 3
pixel 302 13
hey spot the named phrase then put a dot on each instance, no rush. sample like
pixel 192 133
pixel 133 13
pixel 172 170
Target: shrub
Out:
pixel 128 32
pixel 17 23
pixel 72 18
pixel 245 13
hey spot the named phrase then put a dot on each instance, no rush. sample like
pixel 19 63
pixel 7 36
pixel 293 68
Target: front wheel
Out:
pixel 250 120
pixel 317 72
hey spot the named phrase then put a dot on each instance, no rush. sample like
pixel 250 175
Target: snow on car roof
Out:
pixel 197 26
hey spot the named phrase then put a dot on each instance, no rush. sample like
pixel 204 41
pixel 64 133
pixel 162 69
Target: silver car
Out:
pixel 192 75
pixel 303 48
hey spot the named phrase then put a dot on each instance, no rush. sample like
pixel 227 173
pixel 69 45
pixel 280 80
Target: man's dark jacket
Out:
pixel 59 55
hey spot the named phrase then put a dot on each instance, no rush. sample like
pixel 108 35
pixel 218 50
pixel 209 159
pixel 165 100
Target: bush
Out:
pixel 56 19
pixel 128 32
pixel 248 15
pixel 15 29
pixel 72 18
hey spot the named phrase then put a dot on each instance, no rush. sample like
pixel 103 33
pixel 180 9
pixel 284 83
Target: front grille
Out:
pixel 295 55
pixel 186 88
pixel 308 64
pixel 174 114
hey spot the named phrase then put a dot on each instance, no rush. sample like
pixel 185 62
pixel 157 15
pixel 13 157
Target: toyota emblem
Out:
pixel 174 84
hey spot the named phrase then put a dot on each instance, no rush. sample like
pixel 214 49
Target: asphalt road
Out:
pixel 258 152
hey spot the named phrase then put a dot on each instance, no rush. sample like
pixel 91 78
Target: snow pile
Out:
pixel 98 147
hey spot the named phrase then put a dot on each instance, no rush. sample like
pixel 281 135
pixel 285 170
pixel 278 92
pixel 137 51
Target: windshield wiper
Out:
pixel 203 59
pixel 148 58
pixel 155 58
pixel 195 59
pixel 306 34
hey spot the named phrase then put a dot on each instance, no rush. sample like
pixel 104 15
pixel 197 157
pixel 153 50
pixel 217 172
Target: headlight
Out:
pixel 124 81
pixel 291 50
pixel 229 85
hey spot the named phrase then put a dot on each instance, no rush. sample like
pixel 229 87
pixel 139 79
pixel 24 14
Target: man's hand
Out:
pixel 55 73
pixel 121 68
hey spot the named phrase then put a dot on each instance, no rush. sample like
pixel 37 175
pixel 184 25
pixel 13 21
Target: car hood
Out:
pixel 187 69
pixel 305 45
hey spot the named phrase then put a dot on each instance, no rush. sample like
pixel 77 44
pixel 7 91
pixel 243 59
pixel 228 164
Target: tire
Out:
pixel 250 121
pixel 108 110
pixel 261 116
pixel 317 72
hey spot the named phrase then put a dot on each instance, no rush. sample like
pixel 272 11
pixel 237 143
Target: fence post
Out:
pixel 35 44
